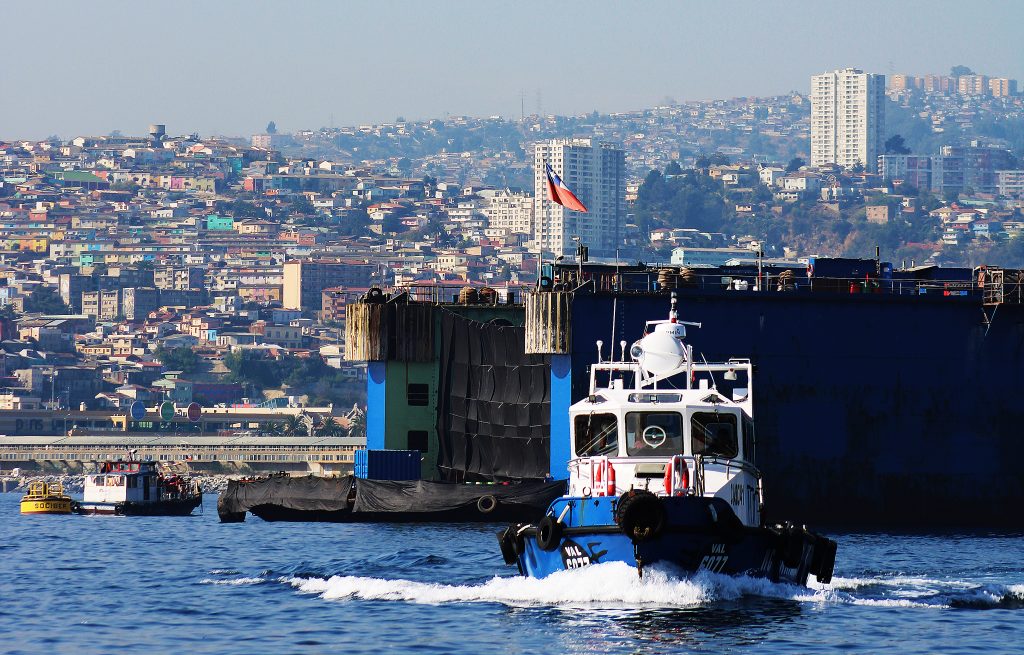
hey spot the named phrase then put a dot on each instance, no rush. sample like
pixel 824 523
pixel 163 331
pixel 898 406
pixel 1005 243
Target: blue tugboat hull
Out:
pixel 698 534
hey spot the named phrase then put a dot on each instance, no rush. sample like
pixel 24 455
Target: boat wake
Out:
pixel 903 591
pixel 616 585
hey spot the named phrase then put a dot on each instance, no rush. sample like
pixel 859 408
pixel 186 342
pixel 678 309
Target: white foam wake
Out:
pixel 233 581
pixel 616 585
pixel 612 584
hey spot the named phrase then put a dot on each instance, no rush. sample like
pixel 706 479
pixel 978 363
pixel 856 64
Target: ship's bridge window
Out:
pixel 714 435
pixel 654 433
pixel 596 434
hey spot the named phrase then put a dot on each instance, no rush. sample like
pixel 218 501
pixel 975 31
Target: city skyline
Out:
pixel 230 67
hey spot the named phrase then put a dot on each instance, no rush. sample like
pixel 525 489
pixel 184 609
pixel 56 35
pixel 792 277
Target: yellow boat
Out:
pixel 43 498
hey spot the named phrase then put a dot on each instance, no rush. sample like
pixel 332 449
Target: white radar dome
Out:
pixel 661 351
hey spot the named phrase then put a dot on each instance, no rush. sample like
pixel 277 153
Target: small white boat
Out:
pixel 135 488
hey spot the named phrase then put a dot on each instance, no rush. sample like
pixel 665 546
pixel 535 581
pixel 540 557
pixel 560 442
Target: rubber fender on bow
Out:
pixel 791 545
pixel 640 515
pixel 507 542
pixel 826 561
pixel 549 533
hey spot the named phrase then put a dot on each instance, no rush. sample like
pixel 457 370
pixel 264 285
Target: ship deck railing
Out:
pixel 989 291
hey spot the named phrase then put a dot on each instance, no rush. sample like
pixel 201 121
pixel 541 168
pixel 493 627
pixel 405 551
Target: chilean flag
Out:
pixel 561 194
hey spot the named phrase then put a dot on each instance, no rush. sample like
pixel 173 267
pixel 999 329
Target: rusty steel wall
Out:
pixel 548 323
pixel 375 332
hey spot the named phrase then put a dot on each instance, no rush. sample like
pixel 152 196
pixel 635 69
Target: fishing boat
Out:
pixel 46 498
pixel 132 488
pixel 662 472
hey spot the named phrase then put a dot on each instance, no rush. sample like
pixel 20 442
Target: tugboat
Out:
pixel 46 498
pixel 665 475
pixel 136 488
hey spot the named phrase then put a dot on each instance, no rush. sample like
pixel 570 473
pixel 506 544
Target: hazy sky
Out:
pixel 228 67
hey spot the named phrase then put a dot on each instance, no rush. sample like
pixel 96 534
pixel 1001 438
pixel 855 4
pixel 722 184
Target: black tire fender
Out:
pixel 791 546
pixel 828 560
pixel 641 515
pixel 486 504
pixel 549 533
pixel 507 542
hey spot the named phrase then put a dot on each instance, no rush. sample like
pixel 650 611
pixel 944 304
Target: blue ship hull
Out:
pixel 699 534
pixel 869 406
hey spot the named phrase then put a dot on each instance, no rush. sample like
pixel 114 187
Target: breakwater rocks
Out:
pixel 73 484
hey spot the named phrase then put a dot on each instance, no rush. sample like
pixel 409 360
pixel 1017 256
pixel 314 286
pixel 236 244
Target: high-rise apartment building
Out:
pixel 972 85
pixel 508 210
pixel 595 172
pixel 847 118
pixel 1000 87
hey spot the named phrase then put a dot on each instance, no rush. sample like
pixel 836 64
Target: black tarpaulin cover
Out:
pixel 306 493
pixel 493 403
pixel 421 496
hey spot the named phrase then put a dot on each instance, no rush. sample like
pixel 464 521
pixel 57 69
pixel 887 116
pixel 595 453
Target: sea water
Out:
pixel 78 585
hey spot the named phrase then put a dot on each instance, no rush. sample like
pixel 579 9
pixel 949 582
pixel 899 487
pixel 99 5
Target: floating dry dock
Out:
pixel 880 388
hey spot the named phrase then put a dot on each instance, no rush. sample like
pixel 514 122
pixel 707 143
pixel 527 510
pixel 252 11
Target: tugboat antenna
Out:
pixel 673 315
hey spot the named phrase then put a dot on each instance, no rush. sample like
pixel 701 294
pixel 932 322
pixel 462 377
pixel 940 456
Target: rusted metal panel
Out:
pixel 548 322
pixel 376 332
pixel 365 332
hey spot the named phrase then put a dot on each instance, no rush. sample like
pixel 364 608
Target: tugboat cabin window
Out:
pixel 654 433
pixel 714 435
pixel 596 434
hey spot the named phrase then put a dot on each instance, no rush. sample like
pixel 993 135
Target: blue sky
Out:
pixel 228 67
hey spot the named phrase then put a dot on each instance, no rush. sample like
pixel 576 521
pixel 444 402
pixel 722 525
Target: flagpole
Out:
pixel 540 245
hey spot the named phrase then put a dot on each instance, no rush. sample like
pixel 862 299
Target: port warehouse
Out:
pixel 876 390
pixel 213 420
pixel 215 454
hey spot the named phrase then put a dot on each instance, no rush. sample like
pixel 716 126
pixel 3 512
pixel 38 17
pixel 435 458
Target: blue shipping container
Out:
pixel 387 464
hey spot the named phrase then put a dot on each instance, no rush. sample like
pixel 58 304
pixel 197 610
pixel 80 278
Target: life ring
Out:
pixel 549 533
pixel 677 477
pixel 487 504
pixel 640 515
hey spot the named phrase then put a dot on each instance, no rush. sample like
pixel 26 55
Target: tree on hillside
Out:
pixel 302 205
pixel 178 359
pixel 794 164
pixel 243 209
pixel 45 300
pixel 271 127
pixel 691 199
pixel 894 145
pixel 960 69
pixel 354 225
